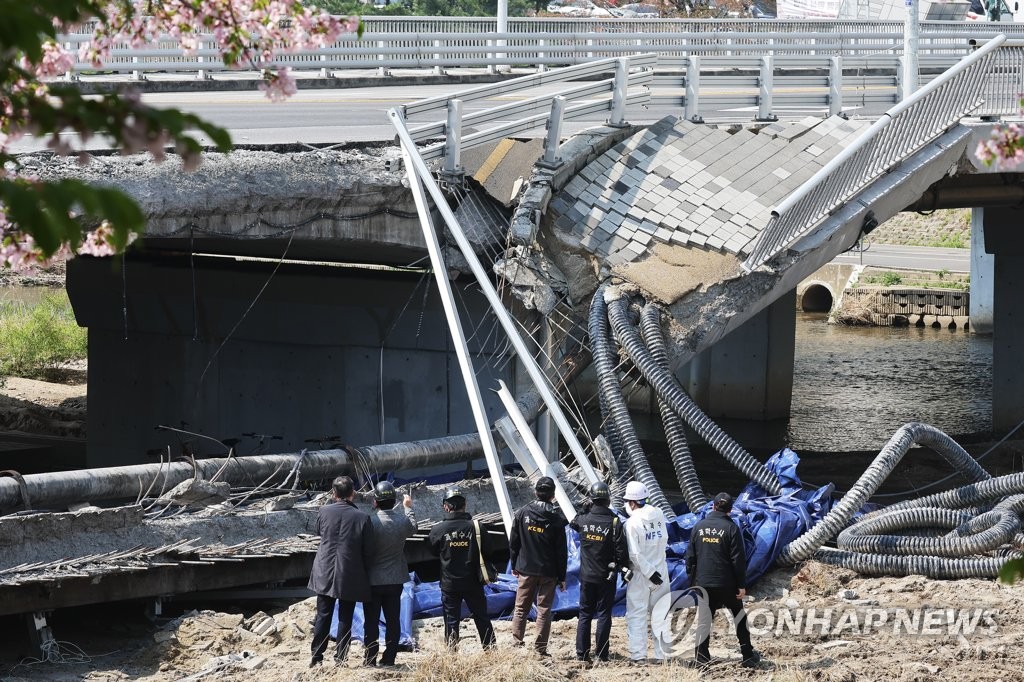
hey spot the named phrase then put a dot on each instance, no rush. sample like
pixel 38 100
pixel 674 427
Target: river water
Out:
pixel 854 386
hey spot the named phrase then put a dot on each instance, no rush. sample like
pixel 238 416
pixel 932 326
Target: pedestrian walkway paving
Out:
pixel 693 185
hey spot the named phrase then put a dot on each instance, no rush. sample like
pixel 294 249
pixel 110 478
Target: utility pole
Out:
pixel 911 39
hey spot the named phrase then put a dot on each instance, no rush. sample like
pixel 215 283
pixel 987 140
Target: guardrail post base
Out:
pixel 554 137
pixel 691 111
pixel 618 117
pixel 764 97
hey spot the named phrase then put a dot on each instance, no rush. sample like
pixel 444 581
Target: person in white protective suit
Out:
pixel 646 537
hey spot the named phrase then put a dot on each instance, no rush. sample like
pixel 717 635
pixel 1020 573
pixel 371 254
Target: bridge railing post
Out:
pixel 438 71
pixel 382 71
pixel 766 82
pixel 453 139
pixel 554 136
pixel 619 93
pixel 692 104
pixel 835 86
pixel 541 66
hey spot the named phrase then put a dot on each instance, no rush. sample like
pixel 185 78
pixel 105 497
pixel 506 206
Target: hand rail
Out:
pixel 900 132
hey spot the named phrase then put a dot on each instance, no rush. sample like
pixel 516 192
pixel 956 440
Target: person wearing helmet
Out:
pixel 388 570
pixel 464 546
pixel 716 561
pixel 603 554
pixel 646 537
pixel 539 561
pixel 339 573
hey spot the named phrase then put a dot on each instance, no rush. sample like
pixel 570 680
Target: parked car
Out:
pixel 578 8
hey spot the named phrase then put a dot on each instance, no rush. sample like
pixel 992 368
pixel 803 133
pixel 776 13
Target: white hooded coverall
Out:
pixel 647 537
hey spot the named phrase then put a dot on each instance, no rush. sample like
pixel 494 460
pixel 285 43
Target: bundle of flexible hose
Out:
pixel 873 477
pixel 977 535
pixel 618 412
pixel 931 566
pixel 972 494
pixel 675 434
pixel 668 389
pixel 605 361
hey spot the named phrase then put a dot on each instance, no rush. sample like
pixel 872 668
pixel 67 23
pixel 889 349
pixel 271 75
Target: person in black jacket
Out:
pixel 340 568
pixel 717 563
pixel 603 554
pixel 454 540
pixel 539 560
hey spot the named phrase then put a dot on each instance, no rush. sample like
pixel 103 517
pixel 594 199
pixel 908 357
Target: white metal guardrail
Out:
pixel 626 87
pixel 898 134
pixel 428 42
pixel 1004 82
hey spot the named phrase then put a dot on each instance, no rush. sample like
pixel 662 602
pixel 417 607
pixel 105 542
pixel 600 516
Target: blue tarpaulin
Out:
pixel 767 523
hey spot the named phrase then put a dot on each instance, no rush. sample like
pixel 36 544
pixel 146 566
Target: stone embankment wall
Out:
pixel 902 306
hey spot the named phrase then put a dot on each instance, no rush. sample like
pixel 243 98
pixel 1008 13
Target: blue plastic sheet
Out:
pixel 408 607
pixel 767 523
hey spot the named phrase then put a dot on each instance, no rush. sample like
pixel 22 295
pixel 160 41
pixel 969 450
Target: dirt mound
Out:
pixel 856 644
pixel 43 408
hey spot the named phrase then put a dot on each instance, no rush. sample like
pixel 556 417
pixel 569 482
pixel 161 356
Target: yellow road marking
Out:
pixel 496 157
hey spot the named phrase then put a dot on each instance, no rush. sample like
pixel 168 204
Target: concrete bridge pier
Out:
pixel 981 276
pixel 1004 240
pixel 748 374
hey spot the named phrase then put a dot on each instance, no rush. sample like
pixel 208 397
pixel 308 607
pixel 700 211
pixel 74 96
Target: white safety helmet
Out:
pixel 635 491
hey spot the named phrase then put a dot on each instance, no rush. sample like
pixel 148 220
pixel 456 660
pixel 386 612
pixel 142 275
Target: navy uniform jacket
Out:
pixel 537 541
pixel 602 542
pixel 715 556
pixel 454 541
pixel 344 554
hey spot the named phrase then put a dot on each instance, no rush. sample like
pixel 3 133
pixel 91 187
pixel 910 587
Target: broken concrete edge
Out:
pixel 575 154
pixel 85 536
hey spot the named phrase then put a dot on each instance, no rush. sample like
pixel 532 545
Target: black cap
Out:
pixel 723 501
pixel 453 493
pixel 545 484
pixel 599 491
pixel 384 491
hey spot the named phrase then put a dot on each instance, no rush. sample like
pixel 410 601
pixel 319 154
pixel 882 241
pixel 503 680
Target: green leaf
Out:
pixel 1012 571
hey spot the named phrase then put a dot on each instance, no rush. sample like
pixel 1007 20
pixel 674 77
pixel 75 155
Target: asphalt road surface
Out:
pixel 360 114
pixel 910 257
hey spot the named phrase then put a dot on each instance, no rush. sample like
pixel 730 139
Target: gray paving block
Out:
pixel 715 242
pixel 709 226
pixel 697 239
pixel 722 215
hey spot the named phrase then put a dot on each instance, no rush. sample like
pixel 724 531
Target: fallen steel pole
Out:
pixel 113 483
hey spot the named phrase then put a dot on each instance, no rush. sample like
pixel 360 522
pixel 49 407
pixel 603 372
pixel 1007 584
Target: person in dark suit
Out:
pixel 340 568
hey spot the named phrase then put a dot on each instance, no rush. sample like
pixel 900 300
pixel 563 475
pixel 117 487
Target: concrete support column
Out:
pixel 1004 240
pixel 749 373
pixel 982 265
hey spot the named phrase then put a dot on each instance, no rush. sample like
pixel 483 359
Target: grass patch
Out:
pixel 37 342
pixel 886 279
